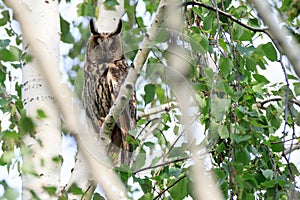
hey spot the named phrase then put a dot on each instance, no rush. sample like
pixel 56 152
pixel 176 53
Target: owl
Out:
pixel 105 70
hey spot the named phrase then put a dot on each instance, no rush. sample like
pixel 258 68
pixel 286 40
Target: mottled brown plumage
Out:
pixel 105 70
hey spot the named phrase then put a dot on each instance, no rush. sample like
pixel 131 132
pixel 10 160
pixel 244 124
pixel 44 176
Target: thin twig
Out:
pixel 296 138
pixel 221 12
pixel 293 148
pixel 262 103
pixel 181 178
pixel 162 108
pixel 286 111
pixel 161 165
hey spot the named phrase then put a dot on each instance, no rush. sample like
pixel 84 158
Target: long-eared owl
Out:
pixel 105 70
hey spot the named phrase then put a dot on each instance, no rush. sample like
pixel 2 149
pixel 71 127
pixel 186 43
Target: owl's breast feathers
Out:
pixel 102 84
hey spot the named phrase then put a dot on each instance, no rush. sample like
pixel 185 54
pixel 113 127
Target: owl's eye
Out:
pixel 113 48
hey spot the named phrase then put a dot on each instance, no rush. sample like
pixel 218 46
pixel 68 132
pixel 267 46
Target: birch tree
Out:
pixel 42 148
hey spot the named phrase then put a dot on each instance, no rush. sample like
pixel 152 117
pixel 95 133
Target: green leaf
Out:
pixel 5 18
pixel 147 196
pixel 199 43
pixel 87 8
pixel 160 93
pixel 221 147
pixel 74 189
pixel 180 189
pixel 66 35
pixel 286 5
pixel 250 178
pixel 294 169
pixel 144 183
pixel 97 196
pixel 177 152
pixel 208 21
pixel 261 78
pixel 7 157
pixel 140 159
pixel 154 69
pixel 241 138
pixel 162 36
pixel 111 4
pixel 51 190
pixel 297 88
pixel 297 121
pixel 197 11
pixel 247 35
pixel 223 131
pixel 213 135
pixel 226 66
pixel 7 55
pixel 243 156
pixel 174 171
pixel 270 51
pixel 209 77
pixel 269 184
pixel 268 174
pixel 58 159
pixel 9 193
pixel 16 52
pixel 26 124
pixel 251 64
pixel 219 107
pixel 247 51
pixel 237 31
pixel 4 43
pixel 141 122
pixel 41 114
pixel 149 93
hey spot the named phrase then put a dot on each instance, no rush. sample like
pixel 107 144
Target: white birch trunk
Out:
pixel 44 22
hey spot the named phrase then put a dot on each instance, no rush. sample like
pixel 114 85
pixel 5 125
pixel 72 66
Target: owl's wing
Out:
pixel 89 99
pixel 126 122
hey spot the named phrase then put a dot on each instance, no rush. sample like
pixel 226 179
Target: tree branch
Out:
pixel 290 150
pixel 225 14
pixel 128 86
pixel 161 108
pixel 262 103
pixel 160 165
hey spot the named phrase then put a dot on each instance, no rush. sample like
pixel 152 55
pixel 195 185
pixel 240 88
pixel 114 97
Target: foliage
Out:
pixel 11 106
pixel 248 122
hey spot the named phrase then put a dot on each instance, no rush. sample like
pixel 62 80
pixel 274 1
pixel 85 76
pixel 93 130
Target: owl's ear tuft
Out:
pixel 92 27
pixel 118 29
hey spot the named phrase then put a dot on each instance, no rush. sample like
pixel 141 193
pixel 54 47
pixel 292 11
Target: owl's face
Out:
pixel 104 47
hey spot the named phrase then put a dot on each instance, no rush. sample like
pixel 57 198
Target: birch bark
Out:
pixel 46 142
